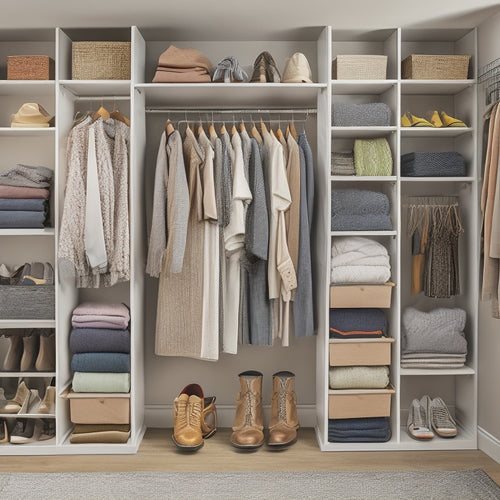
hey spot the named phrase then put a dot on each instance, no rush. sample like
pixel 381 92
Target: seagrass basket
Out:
pixel 100 61
pixel 30 68
pixel 435 67
pixel 359 67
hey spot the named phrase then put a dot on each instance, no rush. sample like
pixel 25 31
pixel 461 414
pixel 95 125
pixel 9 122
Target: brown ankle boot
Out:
pixel 188 410
pixel 30 351
pixel 12 361
pixel 248 421
pixel 284 421
pixel 46 359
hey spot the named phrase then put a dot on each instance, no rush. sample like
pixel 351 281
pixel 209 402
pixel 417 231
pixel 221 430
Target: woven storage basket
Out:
pixel 27 302
pixel 101 61
pixel 359 67
pixel 30 68
pixel 435 67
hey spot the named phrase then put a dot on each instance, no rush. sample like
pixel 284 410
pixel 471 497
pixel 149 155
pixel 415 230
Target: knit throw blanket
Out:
pixel 26 176
pixel 440 164
pixel 359 377
pixel 372 156
pixel 437 331
pixel 101 315
pixel 104 362
pixel 360 115
pixel 101 382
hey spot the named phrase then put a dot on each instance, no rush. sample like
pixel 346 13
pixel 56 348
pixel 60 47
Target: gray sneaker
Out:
pixel 441 420
pixel 418 426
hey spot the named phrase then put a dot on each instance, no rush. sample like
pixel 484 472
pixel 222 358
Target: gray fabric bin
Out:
pixel 27 302
pixel 375 114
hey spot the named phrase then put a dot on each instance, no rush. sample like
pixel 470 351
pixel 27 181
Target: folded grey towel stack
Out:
pixel 439 164
pixel 373 114
pixel 343 163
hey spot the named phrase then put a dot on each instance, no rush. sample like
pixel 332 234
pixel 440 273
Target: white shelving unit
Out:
pixel 458 387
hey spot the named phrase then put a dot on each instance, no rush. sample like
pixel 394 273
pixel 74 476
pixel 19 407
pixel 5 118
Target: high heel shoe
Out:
pixel 34 402
pixel 20 402
pixel 45 361
pixel 30 351
pixel 48 402
pixel 12 361
pixel 26 430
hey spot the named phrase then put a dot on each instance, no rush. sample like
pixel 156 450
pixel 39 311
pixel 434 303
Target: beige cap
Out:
pixel 32 113
pixel 297 69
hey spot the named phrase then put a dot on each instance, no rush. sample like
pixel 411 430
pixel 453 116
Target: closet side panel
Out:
pixel 489 328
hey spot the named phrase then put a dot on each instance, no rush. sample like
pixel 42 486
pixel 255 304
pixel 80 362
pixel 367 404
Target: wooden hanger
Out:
pixel 263 127
pixel 241 126
pixel 200 129
pixel 102 112
pixel 233 129
pixel 223 129
pixel 169 128
pixel 117 115
pixel 79 119
pixel 211 130
pixel 292 130
pixel 255 134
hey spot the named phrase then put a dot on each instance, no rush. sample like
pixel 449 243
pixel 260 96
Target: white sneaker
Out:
pixel 441 420
pixel 418 427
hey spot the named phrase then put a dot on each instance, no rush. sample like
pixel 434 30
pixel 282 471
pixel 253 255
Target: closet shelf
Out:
pixel 48 231
pixel 231 95
pixel 28 374
pixel 363 233
pixel 461 441
pixel 357 87
pixel 362 132
pixel 96 87
pixel 27 323
pixel 466 370
pixel 26 132
pixel 27 88
pixel 434 132
pixel 364 178
pixel 436 87
pixel 27 415
pixel 437 179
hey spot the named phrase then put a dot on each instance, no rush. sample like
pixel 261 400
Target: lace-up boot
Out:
pixel 284 421
pixel 188 409
pixel 248 421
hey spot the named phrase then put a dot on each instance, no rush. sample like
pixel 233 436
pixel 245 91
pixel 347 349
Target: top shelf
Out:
pixel 436 87
pixel 230 95
pixel 357 87
pixel 27 87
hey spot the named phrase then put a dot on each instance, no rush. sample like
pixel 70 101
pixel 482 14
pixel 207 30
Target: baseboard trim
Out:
pixel 163 416
pixel 488 443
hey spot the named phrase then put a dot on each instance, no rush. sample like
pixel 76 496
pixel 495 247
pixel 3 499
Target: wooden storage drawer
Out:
pixel 360 352
pixel 361 295
pixel 99 408
pixel 359 403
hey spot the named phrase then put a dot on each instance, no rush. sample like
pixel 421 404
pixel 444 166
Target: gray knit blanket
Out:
pixel 360 115
pixel 438 331
pixel 438 164
pixel 26 176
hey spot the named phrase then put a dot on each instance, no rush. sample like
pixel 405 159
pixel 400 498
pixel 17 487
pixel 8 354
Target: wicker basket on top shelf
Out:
pixel 359 67
pixel 100 61
pixel 435 67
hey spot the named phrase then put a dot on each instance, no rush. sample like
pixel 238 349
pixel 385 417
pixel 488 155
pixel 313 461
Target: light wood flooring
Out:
pixel 157 452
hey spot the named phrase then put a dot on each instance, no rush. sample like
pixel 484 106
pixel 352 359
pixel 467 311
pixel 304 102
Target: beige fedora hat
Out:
pixel 31 114
pixel 297 69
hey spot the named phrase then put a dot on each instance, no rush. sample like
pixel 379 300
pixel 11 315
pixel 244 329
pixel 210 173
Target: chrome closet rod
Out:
pixel 199 111
pixel 103 98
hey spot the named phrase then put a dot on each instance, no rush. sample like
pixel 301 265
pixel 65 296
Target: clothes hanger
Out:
pixel 279 133
pixel 211 129
pixel 241 126
pixel 263 127
pixel 103 113
pixel 255 133
pixel 117 115
pixel 169 127
pixel 292 129
pixel 79 119
pixel 223 128
pixel 233 128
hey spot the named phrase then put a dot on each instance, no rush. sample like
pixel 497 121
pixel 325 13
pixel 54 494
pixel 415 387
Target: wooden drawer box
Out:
pixel 360 352
pixel 30 68
pixel 360 403
pixel 99 408
pixel 361 295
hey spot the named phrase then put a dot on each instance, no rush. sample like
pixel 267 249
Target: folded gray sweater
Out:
pixel 359 202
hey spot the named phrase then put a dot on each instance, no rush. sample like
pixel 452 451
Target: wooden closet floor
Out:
pixel 157 452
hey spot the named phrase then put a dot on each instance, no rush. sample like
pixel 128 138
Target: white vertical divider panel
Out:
pixel 137 236
pixel 66 293
pixel 322 233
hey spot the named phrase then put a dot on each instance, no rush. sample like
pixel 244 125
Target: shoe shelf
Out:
pixel 27 132
pixel 362 132
pixel 435 132
pixel 27 415
pixel 48 231
pixel 364 178
pixel 27 87
pixel 360 87
pixel 435 87
pixel 464 440
pixel 438 179
pixel 465 370
pixel 27 323
pixel 28 374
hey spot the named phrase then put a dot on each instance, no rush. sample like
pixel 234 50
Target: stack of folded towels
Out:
pixel 343 163
pixel 24 195
pixel 357 323
pixel 356 259
pixel 183 66
pixel 100 343
pixel 433 339
pixel 359 430
pixel 360 210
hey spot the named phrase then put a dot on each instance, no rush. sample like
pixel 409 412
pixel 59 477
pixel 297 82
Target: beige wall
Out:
pixel 489 328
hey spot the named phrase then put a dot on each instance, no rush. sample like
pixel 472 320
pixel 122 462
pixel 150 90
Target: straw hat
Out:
pixel 297 69
pixel 31 114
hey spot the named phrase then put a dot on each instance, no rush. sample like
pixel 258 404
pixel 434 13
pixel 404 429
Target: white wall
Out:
pixel 489 328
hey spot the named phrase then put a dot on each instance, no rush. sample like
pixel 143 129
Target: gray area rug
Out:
pixel 397 485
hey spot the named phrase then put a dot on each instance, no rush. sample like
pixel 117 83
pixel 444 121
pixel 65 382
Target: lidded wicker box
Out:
pixel 100 61
pixel 359 67
pixel 435 67
pixel 30 68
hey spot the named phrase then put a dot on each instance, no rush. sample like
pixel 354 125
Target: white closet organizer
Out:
pixel 307 358
pixel 458 387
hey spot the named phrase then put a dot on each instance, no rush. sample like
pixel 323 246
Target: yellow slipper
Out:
pixel 416 121
pixel 449 121
pixel 436 120
pixel 406 120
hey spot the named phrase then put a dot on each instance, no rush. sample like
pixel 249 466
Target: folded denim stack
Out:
pixel 24 195
pixel 342 163
pixel 355 259
pixel 434 339
pixel 357 323
pixel 359 430
pixel 100 343
pixel 177 65
pixel 360 210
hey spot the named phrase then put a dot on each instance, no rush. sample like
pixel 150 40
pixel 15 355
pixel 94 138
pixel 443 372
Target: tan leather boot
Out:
pixel 188 410
pixel 46 359
pixel 284 421
pixel 209 417
pixel 12 361
pixel 30 351
pixel 248 421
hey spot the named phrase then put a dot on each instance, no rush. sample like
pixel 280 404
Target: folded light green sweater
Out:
pixel 359 377
pixel 101 382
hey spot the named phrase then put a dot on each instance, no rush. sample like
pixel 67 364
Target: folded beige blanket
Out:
pixel 359 377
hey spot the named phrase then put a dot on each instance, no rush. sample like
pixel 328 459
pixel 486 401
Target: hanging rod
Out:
pixel 199 111
pixel 103 98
